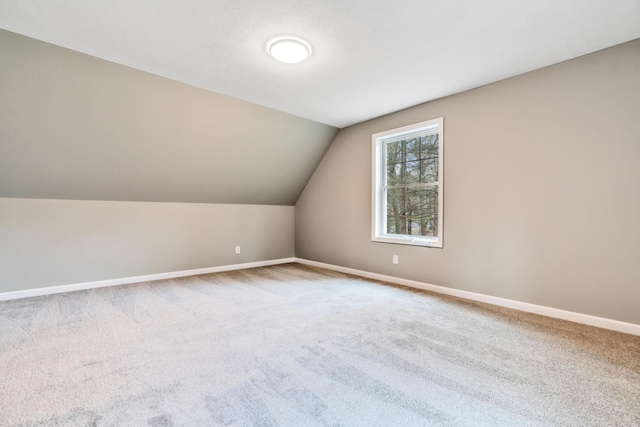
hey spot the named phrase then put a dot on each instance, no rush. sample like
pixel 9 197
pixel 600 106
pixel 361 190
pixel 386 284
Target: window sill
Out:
pixel 409 240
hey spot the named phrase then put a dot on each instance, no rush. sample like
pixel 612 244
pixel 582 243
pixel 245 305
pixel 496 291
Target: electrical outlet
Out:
pixel 237 249
pixel 395 259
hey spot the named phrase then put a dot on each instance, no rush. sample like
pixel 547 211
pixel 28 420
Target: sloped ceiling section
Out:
pixel 77 127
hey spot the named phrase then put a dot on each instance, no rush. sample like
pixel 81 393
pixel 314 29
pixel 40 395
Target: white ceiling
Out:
pixel 371 57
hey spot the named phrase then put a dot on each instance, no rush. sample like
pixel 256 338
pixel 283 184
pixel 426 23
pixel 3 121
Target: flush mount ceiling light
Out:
pixel 289 49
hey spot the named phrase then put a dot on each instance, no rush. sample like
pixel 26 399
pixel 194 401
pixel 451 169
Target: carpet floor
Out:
pixel 291 345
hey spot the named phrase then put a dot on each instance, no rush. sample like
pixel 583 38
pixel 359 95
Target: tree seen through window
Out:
pixel 412 185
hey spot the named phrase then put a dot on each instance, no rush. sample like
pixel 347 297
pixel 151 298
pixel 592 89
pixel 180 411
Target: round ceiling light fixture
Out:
pixel 289 49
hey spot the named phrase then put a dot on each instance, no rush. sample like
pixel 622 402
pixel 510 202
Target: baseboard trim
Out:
pixel 586 319
pixel 136 279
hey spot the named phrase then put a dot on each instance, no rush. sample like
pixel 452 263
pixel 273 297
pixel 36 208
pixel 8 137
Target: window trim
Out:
pixel 378 202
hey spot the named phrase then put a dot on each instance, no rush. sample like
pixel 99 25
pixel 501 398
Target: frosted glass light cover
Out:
pixel 289 50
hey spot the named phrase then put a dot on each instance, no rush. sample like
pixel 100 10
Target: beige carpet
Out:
pixel 295 346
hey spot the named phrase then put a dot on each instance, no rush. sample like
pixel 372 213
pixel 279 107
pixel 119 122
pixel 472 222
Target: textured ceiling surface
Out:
pixel 371 57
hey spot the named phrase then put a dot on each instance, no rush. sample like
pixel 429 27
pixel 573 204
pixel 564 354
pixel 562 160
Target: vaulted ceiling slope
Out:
pixel 371 57
pixel 77 127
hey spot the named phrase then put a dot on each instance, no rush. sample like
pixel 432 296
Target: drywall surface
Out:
pixel 76 127
pixel 541 201
pixel 59 242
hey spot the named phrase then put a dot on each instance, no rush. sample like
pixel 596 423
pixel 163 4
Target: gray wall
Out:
pixel 57 242
pixel 541 199
pixel 76 127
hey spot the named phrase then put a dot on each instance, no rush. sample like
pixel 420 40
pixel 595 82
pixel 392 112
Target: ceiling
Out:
pixel 371 57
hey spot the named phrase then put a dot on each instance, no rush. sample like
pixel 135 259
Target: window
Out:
pixel 407 185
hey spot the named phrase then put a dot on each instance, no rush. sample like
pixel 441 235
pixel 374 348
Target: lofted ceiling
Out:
pixel 371 57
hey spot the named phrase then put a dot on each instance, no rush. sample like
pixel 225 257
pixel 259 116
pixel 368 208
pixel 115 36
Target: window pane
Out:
pixel 405 172
pixel 413 211
pixel 393 173
pixel 394 162
pixel 429 156
pixel 413 160
pixel 412 173
pixel 394 151
pixel 412 149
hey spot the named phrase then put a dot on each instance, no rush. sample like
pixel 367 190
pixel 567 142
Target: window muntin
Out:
pixel 407 185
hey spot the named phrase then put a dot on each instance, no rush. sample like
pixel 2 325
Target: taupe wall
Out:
pixel 58 242
pixel 542 198
pixel 79 128
pixel 76 127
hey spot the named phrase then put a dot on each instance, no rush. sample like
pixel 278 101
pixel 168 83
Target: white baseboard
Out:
pixel 586 319
pixel 136 279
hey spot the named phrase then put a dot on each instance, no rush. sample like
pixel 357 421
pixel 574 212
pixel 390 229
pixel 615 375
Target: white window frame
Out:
pixel 379 172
